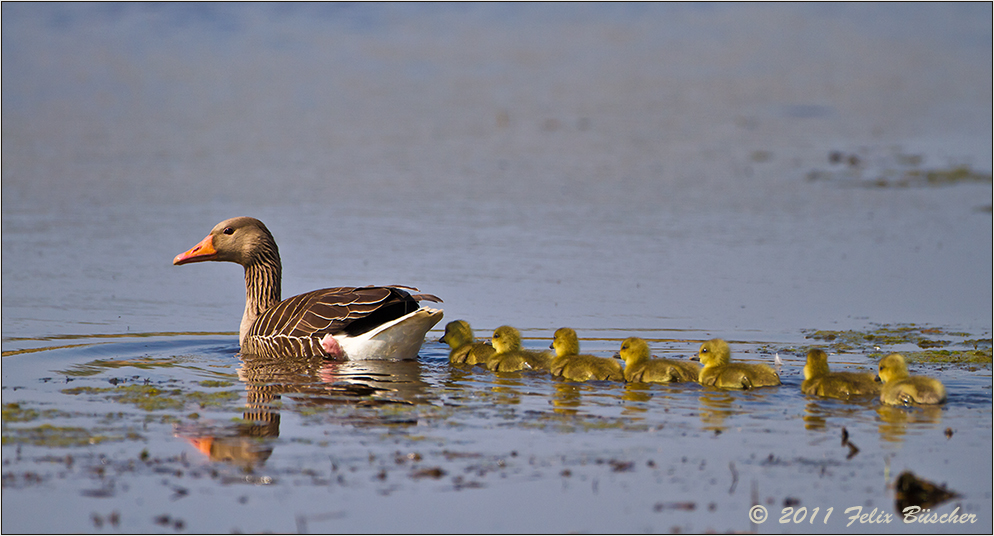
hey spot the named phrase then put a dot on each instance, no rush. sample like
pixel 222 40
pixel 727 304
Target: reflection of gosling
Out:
pixel 819 381
pixel 720 372
pixel 640 368
pixel 465 348
pixel 902 389
pixel 509 356
pixel 573 366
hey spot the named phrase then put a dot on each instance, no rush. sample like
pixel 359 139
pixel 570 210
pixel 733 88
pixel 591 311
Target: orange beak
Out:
pixel 203 444
pixel 204 251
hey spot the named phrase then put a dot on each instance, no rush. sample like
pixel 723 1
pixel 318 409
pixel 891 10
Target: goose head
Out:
pixel 564 342
pixel 817 364
pixel 714 352
pixel 241 240
pixel 892 368
pixel 506 339
pixel 633 350
pixel 457 333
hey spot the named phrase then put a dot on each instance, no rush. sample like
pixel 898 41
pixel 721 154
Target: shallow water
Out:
pixel 228 444
pixel 675 172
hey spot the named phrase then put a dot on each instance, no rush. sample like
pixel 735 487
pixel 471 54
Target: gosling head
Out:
pixel 565 342
pixel 633 350
pixel 817 364
pixel 892 368
pixel 714 352
pixel 506 339
pixel 457 333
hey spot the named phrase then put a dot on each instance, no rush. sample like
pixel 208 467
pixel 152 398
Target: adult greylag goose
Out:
pixel 843 385
pixel 338 323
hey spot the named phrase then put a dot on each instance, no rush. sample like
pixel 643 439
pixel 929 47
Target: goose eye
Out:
pixel 228 230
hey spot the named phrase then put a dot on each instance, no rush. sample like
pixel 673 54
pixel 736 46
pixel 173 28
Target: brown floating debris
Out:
pixel 621 467
pixel 432 472
pixel 735 477
pixel 913 491
pixel 685 506
pixel 853 449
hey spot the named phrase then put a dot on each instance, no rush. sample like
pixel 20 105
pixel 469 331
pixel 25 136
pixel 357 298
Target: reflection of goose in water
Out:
pixel 895 420
pixel 238 445
pixel 387 381
pixel 330 382
pixel 814 416
pixel 567 398
pixel 716 406
pixel 312 381
pixel 636 392
pixel 818 411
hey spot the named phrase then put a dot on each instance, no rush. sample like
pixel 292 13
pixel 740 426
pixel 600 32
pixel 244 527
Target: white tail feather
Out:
pixel 394 340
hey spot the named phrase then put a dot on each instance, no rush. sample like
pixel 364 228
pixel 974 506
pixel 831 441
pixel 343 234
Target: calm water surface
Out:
pixel 675 172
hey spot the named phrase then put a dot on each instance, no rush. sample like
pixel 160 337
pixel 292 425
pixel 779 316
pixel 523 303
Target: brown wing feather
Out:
pixel 333 310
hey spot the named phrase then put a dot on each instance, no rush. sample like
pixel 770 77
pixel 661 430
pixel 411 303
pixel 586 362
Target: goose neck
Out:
pixel 262 289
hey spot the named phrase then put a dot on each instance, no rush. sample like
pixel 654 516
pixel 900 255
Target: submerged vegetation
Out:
pixel 151 398
pixel 893 168
pixel 50 435
pixel 47 435
pixel 937 345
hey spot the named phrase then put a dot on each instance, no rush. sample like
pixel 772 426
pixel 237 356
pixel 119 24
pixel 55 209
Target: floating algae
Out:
pixel 876 168
pixel 151 398
pixel 943 348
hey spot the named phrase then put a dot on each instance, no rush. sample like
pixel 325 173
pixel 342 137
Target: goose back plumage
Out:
pixel 296 325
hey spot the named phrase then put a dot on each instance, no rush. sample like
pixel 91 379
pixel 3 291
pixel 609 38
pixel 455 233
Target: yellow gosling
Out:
pixel 639 367
pixel 573 366
pixel 465 348
pixel 510 357
pixel 719 371
pixel 901 389
pixel 820 382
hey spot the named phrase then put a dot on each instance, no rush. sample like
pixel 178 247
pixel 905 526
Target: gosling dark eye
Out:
pixel 228 230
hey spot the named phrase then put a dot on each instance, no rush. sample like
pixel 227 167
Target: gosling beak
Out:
pixel 695 358
pixel 553 345
pixel 877 379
